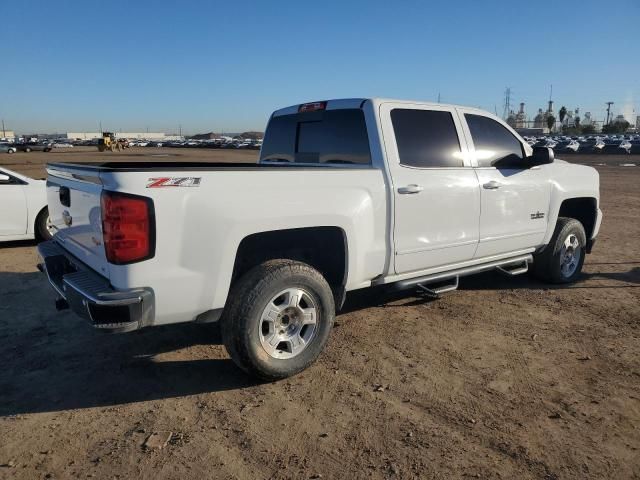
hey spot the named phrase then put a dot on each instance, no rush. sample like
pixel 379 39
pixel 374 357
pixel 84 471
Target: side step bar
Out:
pixel 436 291
pixel 516 270
pixel 517 266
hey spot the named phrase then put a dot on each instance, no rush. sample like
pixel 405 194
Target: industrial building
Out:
pixel 157 136
pixel 518 120
pixel 7 135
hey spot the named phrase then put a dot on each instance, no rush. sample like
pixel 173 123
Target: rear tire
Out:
pixel 42 231
pixel 562 259
pixel 278 319
pixel 27 150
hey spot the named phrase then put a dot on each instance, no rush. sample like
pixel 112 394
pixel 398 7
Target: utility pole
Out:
pixel 4 134
pixel 180 129
pixel 438 97
pixel 608 112
pixel 100 127
pixel 507 103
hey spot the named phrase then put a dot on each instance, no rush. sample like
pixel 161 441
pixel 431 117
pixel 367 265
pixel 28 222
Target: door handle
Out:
pixel 492 185
pixel 413 188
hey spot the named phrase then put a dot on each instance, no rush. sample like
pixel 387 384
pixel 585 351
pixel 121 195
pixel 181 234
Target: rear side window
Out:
pixel 426 138
pixel 494 143
pixel 327 136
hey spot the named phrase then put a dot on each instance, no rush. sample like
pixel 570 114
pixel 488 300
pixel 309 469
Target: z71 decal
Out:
pixel 174 182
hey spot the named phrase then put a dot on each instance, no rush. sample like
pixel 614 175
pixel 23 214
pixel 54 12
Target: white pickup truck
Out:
pixel 347 194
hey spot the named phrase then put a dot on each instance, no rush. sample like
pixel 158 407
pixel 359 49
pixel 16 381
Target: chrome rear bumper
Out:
pixel 91 296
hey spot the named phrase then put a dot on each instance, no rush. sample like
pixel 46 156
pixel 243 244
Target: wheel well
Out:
pixel 35 220
pixel 324 248
pixel 582 209
pixel 36 233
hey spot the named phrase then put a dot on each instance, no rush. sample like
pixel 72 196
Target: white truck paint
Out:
pixel 397 222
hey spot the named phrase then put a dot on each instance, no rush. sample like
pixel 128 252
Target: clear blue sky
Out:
pixel 66 65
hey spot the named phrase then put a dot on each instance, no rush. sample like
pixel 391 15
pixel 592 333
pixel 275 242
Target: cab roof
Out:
pixel 341 103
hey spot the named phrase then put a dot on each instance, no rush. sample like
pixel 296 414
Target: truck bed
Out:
pixel 197 231
pixel 193 166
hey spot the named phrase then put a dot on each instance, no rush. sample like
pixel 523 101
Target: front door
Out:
pixel 436 194
pixel 514 200
pixel 13 206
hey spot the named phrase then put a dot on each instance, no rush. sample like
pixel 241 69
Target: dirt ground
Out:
pixel 505 378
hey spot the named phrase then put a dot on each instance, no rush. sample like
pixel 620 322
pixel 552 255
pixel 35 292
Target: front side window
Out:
pixel 426 138
pixel 326 136
pixel 494 144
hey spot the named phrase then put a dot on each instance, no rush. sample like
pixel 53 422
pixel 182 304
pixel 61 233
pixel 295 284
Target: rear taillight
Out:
pixel 127 227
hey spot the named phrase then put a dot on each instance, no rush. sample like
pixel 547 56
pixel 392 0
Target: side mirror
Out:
pixel 541 156
pixel 4 178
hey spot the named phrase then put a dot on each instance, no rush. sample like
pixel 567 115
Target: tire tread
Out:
pixel 243 297
pixel 545 265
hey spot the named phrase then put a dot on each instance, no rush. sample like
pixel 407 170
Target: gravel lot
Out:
pixel 505 378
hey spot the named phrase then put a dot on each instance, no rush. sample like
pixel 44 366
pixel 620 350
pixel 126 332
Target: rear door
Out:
pixel 436 195
pixel 73 195
pixel 514 200
pixel 13 219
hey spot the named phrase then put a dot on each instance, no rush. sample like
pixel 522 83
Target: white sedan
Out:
pixel 23 207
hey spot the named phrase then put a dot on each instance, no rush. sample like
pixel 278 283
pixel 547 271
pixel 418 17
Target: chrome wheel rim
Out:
pixel 49 226
pixel 288 323
pixel 570 255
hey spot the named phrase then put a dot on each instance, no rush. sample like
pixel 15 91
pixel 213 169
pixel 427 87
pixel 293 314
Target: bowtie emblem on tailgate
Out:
pixel 173 182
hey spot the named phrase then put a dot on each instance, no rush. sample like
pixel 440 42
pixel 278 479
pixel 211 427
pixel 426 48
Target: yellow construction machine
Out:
pixel 109 142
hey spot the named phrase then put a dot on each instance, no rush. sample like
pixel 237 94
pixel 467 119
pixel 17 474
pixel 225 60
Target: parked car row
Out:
pixel 227 142
pixel 620 144
pixel 214 143
pixel 6 147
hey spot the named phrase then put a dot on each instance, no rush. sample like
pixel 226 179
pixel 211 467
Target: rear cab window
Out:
pixel 318 137
pixel 426 138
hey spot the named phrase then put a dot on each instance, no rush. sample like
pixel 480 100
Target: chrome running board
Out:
pixel 521 263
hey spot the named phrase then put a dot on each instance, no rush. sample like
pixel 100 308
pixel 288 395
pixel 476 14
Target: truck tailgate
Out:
pixel 73 195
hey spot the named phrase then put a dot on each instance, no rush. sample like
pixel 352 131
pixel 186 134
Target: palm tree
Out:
pixel 551 121
pixel 562 113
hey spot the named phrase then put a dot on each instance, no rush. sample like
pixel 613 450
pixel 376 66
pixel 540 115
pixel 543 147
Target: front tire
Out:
pixel 278 319
pixel 43 228
pixel 562 259
pixel 27 150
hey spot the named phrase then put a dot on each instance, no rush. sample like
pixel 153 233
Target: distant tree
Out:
pixel 576 122
pixel 562 113
pixel 588 129
pixel 616 127
pixel 551 121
